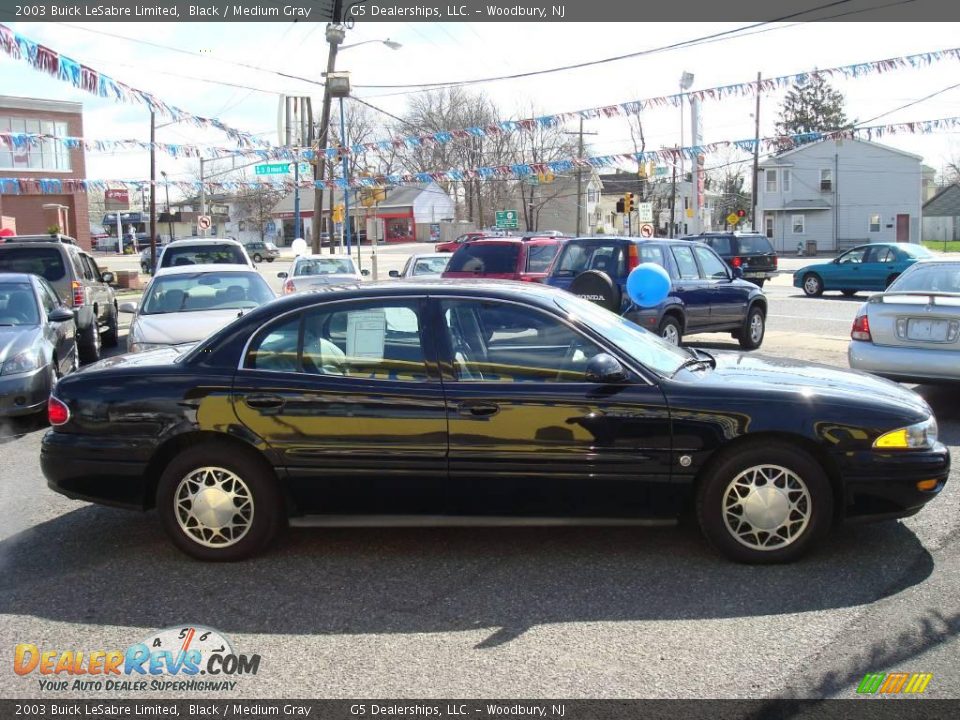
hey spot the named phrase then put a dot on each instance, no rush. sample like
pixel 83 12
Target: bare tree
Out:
pixel 728 178
pixel 537 145
pixel 254 204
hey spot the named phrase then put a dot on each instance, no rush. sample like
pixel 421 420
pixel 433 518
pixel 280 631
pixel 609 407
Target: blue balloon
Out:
pixel 648 285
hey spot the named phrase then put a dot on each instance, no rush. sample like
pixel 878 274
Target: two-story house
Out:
pixel 839 193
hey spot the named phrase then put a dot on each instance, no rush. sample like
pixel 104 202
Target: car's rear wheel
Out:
pixel 219 503
pixel 89 344
pixel 270 259
pixel 112 333
pixel 849 293
pixel 764 504
pixel 670 330
pixel 812 285
pixel 754 327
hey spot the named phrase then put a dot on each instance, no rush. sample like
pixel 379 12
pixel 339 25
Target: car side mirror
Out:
pixel 738 273
pixel 394 273
pixel 605 369
pixel 107 277
pixel 60 314
pixel 282 275
pixel 365 272
pixel 127 307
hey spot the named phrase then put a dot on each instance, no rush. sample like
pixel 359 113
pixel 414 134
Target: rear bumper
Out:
pixel 24 393
pixel 879 485
pixel 74 467
pixel 759 274
pixel 905 363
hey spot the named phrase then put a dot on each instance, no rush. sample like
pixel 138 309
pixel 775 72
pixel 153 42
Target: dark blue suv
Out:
pixel 705 294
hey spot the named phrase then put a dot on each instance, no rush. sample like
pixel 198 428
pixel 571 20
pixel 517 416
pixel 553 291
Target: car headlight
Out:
pixel 921 435
pixel 135 347
pixel 23 362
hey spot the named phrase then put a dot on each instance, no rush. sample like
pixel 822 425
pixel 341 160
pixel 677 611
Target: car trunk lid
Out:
pixel 915 319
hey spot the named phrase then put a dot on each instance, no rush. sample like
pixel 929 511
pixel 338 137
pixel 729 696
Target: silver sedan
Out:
pixel 911 332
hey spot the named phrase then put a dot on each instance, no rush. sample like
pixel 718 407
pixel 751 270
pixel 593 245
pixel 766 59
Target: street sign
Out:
pixel 507 219
pixel 661 171
pixel 203 222
pixel 646 230
pixel 305 169
pixel 733 219
pixel 273 169
pixel 645 212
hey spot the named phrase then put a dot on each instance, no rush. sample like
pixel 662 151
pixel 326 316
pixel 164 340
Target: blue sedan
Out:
pixel 866 267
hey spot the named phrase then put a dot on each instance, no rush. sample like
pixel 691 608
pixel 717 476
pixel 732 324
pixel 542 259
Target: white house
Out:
pixel 839 193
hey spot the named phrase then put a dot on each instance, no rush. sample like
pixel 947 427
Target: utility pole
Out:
pixel 756 158
pixel 673 201
pixel 203 198
pixel 580 203
pixel 153 190
pixel 335 35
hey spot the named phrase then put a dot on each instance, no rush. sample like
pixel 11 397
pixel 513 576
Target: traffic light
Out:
pixel 628 202
pixel 620 205
pixel 338 214
pixel 741 213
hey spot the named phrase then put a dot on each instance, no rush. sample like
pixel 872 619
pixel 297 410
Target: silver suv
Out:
pixel 74 274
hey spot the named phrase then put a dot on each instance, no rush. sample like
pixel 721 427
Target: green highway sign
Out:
pixel 272 169
pixel 507 219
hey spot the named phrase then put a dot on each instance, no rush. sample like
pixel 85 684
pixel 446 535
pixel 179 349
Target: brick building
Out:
pixel 22 202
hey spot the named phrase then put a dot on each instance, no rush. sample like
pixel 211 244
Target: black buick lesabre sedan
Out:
pixel 482 403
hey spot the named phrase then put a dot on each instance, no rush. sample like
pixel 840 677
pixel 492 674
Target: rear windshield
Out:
pixel 578 257
pixel 753 245
pixel 540 257
pixel 202 255
pixel 47 262
pixel 917 251
pixel 485 258
pixel 935 277
pixel 721 245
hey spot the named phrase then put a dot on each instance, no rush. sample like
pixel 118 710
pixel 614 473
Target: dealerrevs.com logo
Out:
pixel 186 659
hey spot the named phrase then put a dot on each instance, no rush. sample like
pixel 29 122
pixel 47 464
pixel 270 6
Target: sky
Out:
pixel 214 59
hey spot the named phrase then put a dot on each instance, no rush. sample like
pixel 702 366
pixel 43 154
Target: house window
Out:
pixel 798 225
pixel 35 155
pixel 768 221
pixel 593 195
pixel 874 223
pixel 826 180
pixel 786 181
pixel 771 181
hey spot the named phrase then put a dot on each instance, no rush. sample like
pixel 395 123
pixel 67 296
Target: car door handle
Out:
pixel 264 402
pixel 478 409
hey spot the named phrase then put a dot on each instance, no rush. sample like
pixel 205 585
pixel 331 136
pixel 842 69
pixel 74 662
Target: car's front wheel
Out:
pixel 112 333
pixel 764 503
pixel 812 285
pixel 257 258
pixel 219 503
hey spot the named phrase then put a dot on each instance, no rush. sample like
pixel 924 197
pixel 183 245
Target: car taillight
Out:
pixel 776 261
pixel 289 288
pixel 57 412
pixel 736 262
pixel 633 257
pixel 78 298
pixel 861 328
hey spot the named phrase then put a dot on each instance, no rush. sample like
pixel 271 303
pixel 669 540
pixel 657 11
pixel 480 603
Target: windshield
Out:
pixel 486 259
pixel 205 291
pixel 18 305
pixel 207 254
pixel 47 262
pixel 430 266
pixel 645 347
pixel 932 277
pixel 324 266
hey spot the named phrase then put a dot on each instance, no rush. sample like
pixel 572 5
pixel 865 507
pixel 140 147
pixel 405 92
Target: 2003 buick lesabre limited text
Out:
pixel 480 403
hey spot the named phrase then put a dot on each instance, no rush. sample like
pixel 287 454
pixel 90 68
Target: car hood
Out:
pixel 14 340
pixel 176 328
pixel 823 383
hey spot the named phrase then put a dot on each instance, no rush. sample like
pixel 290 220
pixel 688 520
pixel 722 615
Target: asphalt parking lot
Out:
pixel 533 613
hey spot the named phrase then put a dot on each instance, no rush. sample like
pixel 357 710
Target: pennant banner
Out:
pixel 779 143
pixel 19 47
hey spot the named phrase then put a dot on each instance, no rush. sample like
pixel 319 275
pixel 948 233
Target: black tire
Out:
pixel 599 288
pixel 891 279
pixel 89 343
pixel 257 258
pixel 145 269
pixel 669 328
pixel 270 259
pixel 722 515
pixel 849 293
pixel 812 285
pixel 258 482
pixel 751 334
pixel 111 335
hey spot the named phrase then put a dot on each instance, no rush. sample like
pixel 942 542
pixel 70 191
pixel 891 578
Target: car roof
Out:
pixel 203 241
pixel 10 277
pixel 327 256
pixel 204 268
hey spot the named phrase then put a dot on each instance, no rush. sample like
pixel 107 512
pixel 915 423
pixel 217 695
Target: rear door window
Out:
pixel 486 259
pixel 89 268
pixel 754 245
pixel 686 264
pixel 47 262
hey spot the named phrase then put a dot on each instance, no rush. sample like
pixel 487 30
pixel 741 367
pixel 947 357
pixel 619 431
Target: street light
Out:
pixel 392 44
pixel 166 187
pixel 686 81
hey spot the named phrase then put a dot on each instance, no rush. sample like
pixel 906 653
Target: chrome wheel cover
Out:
pixel 671 334
pixel 214 507
pixel 811 285
pixel 766 507
pixel 756 327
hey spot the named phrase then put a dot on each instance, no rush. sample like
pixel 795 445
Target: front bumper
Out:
pixel 109 471
pixel 24 393
pixel 907 364
pixel 880 485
